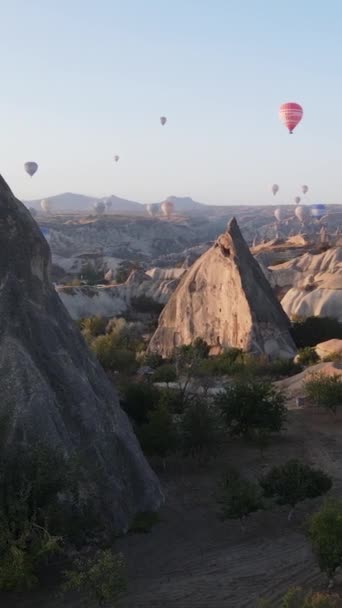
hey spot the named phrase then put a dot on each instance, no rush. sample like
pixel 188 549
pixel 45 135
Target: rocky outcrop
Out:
pixel 329 348
pixel 225 299
pixel 312 284
pixel 110 300
pixel 52 388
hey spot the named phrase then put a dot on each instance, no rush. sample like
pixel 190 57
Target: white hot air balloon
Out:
pixel 45 205
pixel 279 214
pixel 163 120
pixel 99 208
pixel 153 210
pixel 167 208
pixel 116 158
pixel 297 200
pixel 31 167
pixel 275 189
pixel 302 213
pixel 305 189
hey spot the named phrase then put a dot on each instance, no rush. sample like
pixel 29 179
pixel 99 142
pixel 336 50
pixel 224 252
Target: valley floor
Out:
pixel 191 559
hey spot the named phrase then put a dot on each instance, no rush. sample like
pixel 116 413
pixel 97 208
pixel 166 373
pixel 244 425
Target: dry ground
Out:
pixel 191 559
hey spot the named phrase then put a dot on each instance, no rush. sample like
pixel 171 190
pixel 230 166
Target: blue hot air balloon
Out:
pixel 318 210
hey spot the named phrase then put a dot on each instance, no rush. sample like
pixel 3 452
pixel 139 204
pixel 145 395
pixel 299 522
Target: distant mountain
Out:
pixel 70 202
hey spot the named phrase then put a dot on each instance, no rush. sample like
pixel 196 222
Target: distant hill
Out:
pixel 69 202
pixel 185 204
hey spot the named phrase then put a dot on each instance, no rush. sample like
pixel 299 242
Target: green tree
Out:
pixel 238 497
pixel 325 391
pixel 112 357
pixel 293 482
pixel 252 409
pixel 101 578
pixel 94 326
pixel 200 429
pixel 325 533
pixel 139 400
pixel 90 274
pixel 165 373
pixel 158 436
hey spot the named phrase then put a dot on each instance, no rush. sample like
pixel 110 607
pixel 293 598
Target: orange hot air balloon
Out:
pixel 290 115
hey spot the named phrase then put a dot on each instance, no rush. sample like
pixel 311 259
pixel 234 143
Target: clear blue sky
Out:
pixel 82 80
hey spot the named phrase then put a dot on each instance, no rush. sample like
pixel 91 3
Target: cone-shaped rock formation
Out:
pixel 52 388
pixel 225 299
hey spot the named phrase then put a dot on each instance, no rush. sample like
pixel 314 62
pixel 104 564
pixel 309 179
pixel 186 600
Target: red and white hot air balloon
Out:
pixel 290 115
pixel 275 189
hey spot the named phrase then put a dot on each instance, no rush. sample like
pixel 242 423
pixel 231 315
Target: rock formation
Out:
pixel 52 388
pixel 225 299
pixel 311 284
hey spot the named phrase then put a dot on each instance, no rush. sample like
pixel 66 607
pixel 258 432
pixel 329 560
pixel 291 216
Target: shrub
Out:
pixel 250 408
pixel 166 373
pixel 138 401
pixel 152 360
pixel 238 497
pixel 158 435
pixel 94 326
pixel 299 598
pixel 293 482
pixel 144 522
pixel 200 429
pixel 307 356
pixel 325 533
pixel 101 578
pixel 113 358
pixel 325 391
pixel 90 274
pixel 313 330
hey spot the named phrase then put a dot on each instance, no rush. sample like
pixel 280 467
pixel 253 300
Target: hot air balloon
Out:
pixel 108 205
pixel 305 189
pixel 318 210
pixel 290 115
pixel 302 213
pixel 116 158
pixel 275 189
pixel 297 200
pixel 279 214
pixel 163 120
pixel 152 210
pixel 33 212
pixel 31 167
pixel 45 205
pixel 100 208
pixel 167 208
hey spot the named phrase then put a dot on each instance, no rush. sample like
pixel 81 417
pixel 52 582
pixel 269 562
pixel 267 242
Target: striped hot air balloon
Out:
pixel 290 115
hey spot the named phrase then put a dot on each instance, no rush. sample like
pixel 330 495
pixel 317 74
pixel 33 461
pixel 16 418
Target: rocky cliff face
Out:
pixel 225 299
pixel 52 388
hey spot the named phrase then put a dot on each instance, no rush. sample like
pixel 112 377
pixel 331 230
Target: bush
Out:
pixel 314 330
pixel 30 482
pixel 90 274
pixel 158 435
pixel 200 429
pixel 325 533
pixel 325 391
pixel 138 401
pixel 93 326
pixel 152 360
pixel 166 373
pixel 299 598
pixel 113 358
pixel 307 356
pixel 238 497
pixel 252 408
pixel 293 482
pixel 100 578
